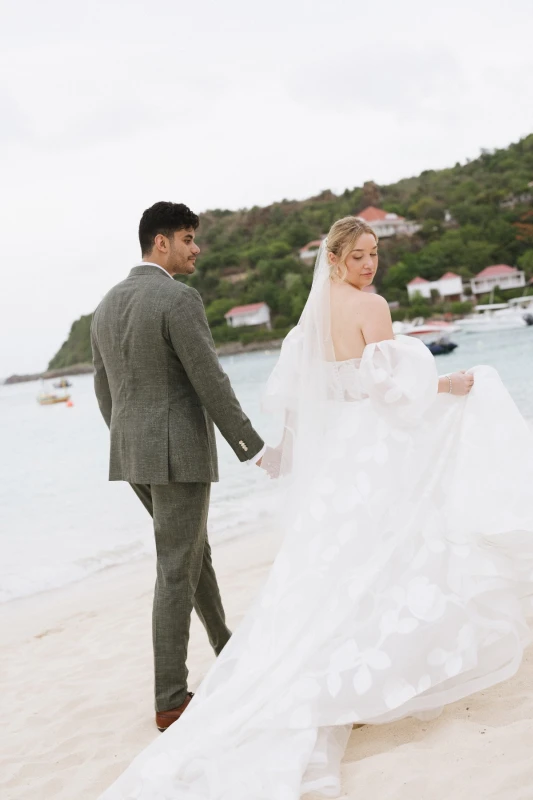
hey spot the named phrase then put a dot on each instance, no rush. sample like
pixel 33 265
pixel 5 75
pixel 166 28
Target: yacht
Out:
pixel 517 313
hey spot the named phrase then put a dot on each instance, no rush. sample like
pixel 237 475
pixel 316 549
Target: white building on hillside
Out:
pixel 419 286
pixel 499 276
pixel 385 223
pixel 450 287
pixel 309 252
pixel 254 314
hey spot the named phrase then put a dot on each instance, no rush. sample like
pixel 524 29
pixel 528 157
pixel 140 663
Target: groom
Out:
pixel 160 388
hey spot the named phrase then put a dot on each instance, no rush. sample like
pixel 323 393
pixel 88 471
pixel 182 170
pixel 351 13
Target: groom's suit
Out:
pixel 160 387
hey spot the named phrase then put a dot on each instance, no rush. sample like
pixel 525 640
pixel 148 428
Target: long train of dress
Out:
pixel 404 583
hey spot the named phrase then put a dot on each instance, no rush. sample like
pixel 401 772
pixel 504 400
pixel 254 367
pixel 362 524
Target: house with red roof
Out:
pixel 386 223
pixel 497 276
pixel 255 314
pixel 309 252
pixel 419 286
pixel 449 287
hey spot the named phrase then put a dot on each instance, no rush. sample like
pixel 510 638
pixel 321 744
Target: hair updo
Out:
pixel 341 239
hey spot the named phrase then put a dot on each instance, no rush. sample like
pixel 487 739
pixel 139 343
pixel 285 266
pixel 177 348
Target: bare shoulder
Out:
pixel 365 304
pixel 373 300
pixel 374 304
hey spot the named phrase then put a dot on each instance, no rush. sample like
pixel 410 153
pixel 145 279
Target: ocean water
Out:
pixel 61 520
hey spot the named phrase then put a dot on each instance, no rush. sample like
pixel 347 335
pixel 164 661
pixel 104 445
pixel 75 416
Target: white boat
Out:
pixel 517 313
pixel 525 302
pixel 433 334
pixel 420 328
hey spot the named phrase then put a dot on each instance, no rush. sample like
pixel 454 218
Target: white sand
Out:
pixel 76 689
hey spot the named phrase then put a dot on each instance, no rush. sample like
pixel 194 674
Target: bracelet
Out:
pixel 450 380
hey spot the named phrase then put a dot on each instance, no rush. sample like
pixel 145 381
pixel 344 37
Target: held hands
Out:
pixel 271 461
pixel 458 383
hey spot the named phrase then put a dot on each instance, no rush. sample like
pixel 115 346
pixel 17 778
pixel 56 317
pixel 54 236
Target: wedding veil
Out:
pixel 303 383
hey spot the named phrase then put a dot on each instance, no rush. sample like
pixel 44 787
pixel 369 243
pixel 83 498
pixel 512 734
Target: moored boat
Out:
pixel 517 313
pixel 420 328
pixel 47 399
pixel 433 334
pixel 442 346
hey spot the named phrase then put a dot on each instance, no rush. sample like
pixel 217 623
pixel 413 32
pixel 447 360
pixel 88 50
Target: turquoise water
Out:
pixel 60 519
pixel 510 352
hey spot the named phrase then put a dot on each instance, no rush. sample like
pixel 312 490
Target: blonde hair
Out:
pixel 341 238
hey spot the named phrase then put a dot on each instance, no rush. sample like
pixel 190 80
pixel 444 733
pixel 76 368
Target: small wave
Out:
pixel 44 578
pixel 229 520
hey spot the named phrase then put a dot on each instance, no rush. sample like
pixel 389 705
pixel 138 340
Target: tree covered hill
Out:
pixel 472 215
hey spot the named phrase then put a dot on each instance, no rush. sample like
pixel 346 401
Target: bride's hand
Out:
pixel 462 382
pixel 271 461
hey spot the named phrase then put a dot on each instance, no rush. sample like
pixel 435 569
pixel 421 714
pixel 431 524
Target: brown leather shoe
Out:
pixel 164 719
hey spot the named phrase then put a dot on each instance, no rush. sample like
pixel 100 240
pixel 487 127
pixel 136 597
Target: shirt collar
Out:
pixel 151 264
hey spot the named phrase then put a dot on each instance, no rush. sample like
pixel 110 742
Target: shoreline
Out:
pixel 145 557
pixel 236 348
pixel 61 372
pixel 228 349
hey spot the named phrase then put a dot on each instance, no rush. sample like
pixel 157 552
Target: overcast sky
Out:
pixel 107 107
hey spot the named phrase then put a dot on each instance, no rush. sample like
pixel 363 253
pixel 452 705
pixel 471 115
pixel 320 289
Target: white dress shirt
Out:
pixel 261 453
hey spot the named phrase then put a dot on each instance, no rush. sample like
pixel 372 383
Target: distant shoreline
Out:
pixel 75 369
pixel 236 348
pixel 229 349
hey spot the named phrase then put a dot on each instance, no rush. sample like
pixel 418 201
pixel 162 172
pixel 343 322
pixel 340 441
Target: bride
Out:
pixel 405 577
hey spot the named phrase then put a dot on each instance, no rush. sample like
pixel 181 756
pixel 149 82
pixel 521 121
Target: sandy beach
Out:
pixel 76 681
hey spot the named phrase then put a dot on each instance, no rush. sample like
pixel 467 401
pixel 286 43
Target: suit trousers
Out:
pixel 185 580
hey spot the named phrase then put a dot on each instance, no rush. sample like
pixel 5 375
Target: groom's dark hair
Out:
pixel 165 218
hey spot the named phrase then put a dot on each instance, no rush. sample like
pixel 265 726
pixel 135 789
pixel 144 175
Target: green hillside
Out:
pixel 252 255
pixel 77 348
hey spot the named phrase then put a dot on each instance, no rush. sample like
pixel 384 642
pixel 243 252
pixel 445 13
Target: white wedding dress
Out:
pixel 404 581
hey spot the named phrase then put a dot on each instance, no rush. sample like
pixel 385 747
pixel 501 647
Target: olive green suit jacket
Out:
pixel 159 383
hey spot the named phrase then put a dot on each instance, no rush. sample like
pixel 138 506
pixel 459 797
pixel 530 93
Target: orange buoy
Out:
pixel 69 404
